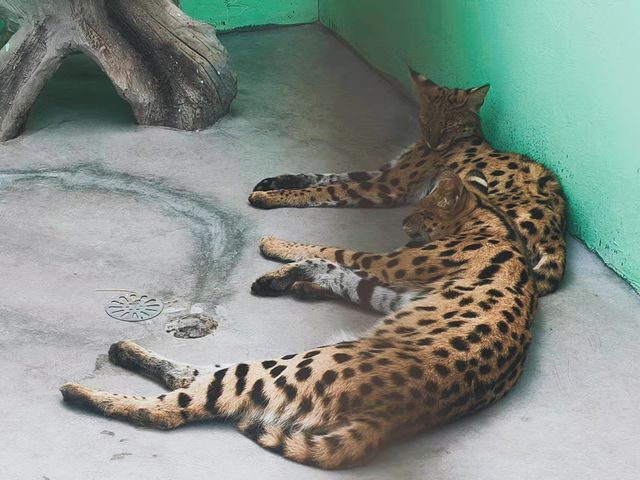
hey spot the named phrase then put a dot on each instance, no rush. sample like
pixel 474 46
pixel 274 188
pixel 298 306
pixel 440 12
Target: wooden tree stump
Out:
pixel 171 69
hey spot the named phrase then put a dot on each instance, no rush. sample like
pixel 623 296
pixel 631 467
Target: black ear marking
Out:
pixel 477 179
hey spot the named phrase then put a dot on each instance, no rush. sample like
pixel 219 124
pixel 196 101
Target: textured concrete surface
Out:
pixel 88 200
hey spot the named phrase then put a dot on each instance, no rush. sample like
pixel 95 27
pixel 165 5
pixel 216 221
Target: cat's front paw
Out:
pixel 282 182
pixel 76 394
pixel 276 283
pixel 262 200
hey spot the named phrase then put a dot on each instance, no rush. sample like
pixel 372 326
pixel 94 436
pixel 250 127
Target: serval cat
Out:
pixel 458 303
pixel 452 139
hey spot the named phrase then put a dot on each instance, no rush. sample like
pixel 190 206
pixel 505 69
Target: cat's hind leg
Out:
pixel 168 373
pixel 165 412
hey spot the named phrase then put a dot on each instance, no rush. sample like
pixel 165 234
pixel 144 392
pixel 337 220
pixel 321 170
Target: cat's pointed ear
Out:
pixel 475 97
pixel 424 87
pixel 448 190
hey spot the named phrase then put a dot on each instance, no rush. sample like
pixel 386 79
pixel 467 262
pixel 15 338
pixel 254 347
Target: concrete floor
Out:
pixel 88 200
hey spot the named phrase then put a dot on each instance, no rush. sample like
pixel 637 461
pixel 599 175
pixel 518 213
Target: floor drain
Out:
pixel 134 307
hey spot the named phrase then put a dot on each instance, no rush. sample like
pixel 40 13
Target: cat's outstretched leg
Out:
pixel 304 180
pixel 402 180
pixel 165 412
pixel 330 277
pixel 168 373
pixel 410 261
pixel 286 251
pixel 359 194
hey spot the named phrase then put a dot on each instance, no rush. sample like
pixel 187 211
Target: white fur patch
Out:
pixel 404 152
pixel 540 262
pixel 479 180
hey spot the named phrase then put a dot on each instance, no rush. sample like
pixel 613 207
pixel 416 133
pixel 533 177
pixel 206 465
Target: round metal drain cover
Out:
pixel 134 308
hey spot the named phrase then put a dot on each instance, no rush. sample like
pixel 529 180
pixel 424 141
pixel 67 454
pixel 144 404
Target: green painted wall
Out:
pixel 564 89
pixel 227 15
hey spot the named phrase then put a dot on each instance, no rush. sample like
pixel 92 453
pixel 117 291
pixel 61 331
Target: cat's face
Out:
pixel 447 115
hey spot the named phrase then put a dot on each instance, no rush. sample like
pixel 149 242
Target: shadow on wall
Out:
pixel 79 90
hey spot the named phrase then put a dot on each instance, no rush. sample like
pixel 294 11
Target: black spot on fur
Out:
pixel 503 327
pixel 483 328
pixel 431 386
pixel 365 367
pixel 241 372
pixel 341 357
pixel 183 400
pixel 536 213
pixel 365 290
pixel 214 390
pixel 290 391
pixel 302 374
pixel 426 322
pixel 502 256
pixel 486 353
pixel 489 272
pixel 459 343
pixel 319 388
pixel 397 378
pixel 473 337
pixel 268 364
pixel 257 394
pixel 451 294
pixel 304 363
pixel 419 260
pixel 306 405
pixel 529 227
pixel 441 352
pixel 460 365
pixel 508 316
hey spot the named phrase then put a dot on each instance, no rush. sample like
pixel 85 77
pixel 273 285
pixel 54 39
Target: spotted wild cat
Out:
pixel 459 302
pixel 452 138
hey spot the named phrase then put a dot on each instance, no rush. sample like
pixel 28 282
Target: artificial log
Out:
pixel 172 70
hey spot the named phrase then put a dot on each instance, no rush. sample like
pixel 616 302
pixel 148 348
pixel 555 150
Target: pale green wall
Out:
pixel 565 89
pixel 227 15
